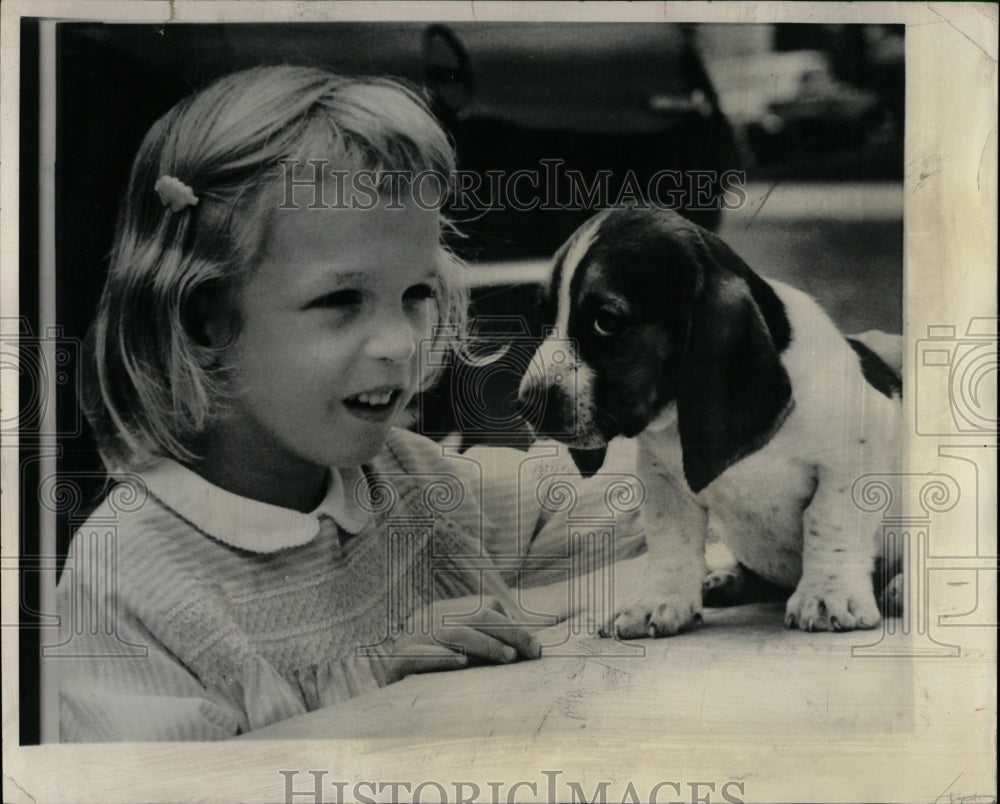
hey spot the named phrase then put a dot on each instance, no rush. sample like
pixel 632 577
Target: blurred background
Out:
pixel 818 117
pixel 810 115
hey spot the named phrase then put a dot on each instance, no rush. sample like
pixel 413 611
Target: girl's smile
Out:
pixel 328 350
pixel 374 406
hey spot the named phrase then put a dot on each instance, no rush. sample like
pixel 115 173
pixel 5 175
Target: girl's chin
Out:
pixel 364 444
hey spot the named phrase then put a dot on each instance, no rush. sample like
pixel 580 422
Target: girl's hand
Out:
pixel 491 637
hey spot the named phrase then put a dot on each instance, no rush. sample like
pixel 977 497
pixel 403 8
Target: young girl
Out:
pixel 271 534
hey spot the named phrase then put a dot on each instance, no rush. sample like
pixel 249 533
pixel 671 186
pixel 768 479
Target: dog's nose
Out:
pixel 588 461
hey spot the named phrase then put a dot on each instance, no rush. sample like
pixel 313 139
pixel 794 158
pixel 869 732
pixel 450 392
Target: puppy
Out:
pixel 754 416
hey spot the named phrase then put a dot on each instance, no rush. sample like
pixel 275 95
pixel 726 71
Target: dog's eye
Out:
pixel 608 322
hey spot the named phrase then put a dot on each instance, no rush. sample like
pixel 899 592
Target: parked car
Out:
pixel 788 107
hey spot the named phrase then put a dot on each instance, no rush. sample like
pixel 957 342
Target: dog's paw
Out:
pixel 656 617
pixel 832 609
pixel 720 578
pixel 723 587
pixel 737 586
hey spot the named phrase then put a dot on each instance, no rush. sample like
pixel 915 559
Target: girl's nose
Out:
pixel 393 337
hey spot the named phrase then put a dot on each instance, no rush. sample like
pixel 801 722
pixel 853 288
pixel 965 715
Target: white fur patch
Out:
pixel 571 263
pixel 664 419
pixel 586 435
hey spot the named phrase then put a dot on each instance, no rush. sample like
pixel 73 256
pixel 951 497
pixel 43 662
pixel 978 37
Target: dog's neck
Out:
pixel 661 440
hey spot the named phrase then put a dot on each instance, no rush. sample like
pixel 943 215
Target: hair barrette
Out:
pixel 174 193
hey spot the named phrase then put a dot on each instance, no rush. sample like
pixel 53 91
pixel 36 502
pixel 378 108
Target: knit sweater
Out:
pixel 188 613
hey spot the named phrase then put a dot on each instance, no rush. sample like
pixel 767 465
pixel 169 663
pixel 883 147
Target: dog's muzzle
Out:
pixel 554 399
pixel 547 398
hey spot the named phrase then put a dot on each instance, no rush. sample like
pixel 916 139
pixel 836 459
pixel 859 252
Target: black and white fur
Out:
pixel 753 414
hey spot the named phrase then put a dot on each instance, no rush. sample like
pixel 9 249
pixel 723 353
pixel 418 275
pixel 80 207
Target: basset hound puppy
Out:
pixel 753 414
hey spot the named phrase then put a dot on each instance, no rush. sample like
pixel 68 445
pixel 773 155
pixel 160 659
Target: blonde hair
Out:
pixel 151 386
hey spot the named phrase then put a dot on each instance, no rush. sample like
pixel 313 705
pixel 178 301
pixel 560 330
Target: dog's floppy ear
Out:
pixel 733 391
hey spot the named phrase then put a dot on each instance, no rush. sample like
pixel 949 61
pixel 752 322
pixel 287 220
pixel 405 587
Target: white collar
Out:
pixel 248 524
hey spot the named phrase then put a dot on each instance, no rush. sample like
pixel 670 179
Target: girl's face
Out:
pixel 332 320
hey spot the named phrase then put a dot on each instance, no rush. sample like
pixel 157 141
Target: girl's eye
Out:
pixel 339 298
pixel 608 322
pixel 420 292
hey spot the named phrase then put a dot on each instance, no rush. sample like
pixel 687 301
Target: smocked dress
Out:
pixel 189 613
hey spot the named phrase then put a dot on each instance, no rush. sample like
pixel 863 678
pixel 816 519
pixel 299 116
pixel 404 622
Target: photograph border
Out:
pixel 950 287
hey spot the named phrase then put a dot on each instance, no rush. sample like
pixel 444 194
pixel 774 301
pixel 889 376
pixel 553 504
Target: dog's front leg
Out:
pixel 667 598
pixel 835 592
